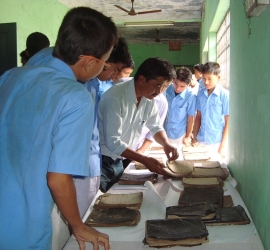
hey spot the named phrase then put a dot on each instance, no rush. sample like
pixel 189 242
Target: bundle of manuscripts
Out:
pixel 115 210
pixel 202 203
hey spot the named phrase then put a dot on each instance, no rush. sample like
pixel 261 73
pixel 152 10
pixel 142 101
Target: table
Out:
pixel 166 193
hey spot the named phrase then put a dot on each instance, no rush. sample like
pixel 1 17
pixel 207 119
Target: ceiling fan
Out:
pixel 132 12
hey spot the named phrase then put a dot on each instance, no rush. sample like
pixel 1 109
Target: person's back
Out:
pixel 31 111
pixel 43 109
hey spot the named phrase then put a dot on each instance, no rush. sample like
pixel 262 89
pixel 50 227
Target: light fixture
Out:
pixel 150 23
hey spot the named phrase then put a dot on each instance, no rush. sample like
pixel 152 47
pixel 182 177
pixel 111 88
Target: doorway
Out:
pixel 8 46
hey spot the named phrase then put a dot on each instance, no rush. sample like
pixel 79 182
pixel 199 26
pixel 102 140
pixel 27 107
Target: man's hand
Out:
pixel 88 234
pixel 186 141
pixel 153 165
pixel 194 141
pixel 222 151
pixel 171 152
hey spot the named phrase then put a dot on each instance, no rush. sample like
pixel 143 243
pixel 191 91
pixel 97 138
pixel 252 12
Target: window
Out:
pixel 223 51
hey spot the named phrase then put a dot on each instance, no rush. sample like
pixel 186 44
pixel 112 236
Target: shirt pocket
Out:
pixel 179 113
pixel 216 111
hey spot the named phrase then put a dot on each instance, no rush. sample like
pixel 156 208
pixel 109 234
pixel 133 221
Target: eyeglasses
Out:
pixel 106 65
pixel 161 86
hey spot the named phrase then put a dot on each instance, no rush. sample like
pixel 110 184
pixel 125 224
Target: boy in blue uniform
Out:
pixel 198 74
pixel 212 119
pixel 180 117
pixel 46 124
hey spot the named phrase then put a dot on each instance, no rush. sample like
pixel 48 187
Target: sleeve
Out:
pixel 225 104
pixel 71 140
pixel 162 106
pixel 153 121
pixel 192 105
pixel 198 105
pixel 110 113
pixel 163 110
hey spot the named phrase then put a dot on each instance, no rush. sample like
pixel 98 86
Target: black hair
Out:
pixel 155 67
pixel 35 42
pixel 184 75
pixel 120 53
pixel 212 68
pixel 84 31
pixel 24 55
pixel 198 67
pixel 130 64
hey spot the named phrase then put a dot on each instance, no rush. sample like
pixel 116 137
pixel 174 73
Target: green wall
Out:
pixel 32 15
pixel 249 147
pixel 214 14
pixel 188 55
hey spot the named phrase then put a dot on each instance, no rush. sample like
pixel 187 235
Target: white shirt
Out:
pixel 121 122
pixel 162 106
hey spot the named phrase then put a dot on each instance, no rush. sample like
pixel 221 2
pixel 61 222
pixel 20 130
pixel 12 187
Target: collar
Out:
pixel 61 66
pixel 216 91
pixel 131 91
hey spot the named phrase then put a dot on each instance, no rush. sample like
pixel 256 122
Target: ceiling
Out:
pixel 187 15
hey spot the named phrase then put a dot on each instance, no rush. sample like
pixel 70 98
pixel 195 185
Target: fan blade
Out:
pixel 121 8
pixel 149 11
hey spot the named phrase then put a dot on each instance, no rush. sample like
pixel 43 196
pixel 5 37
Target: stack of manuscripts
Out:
pixel 210 214
pixel 175 232
pixel 193 153
pixel 202 203
pixel 114 210
pixel 198 169
pixel 205 198
pixel 138 179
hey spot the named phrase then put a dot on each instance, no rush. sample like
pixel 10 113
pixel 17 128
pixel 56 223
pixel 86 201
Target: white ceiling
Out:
pixel 187 15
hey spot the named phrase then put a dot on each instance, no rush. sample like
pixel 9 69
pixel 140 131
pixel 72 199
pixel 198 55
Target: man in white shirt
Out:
pixel 124 110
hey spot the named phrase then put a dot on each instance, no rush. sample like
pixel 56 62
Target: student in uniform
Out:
pixel 212 119
pixel 46 126
pixel 125 72
pixel 198 74
pixel 181 111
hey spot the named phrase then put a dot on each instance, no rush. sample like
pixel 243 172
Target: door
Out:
pixel 8 46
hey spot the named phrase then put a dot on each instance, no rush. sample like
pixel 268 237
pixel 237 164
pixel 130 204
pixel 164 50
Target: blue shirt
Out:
pixel 43 117
pixel 180 107
pixel 104 86
pixel 213 108
pixel 201 84
pixel 95 153
pixel 93 87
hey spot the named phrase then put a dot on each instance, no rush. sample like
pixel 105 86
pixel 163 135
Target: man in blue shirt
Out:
pixel 212 119
pixel 87 187
pixel 46 124
pixel 181 112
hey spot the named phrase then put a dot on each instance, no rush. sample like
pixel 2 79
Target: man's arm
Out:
pixel 64 194
pixel 152 164
pixel 146 145
pixel 197 126
pixel 224 140
pixel 190 122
